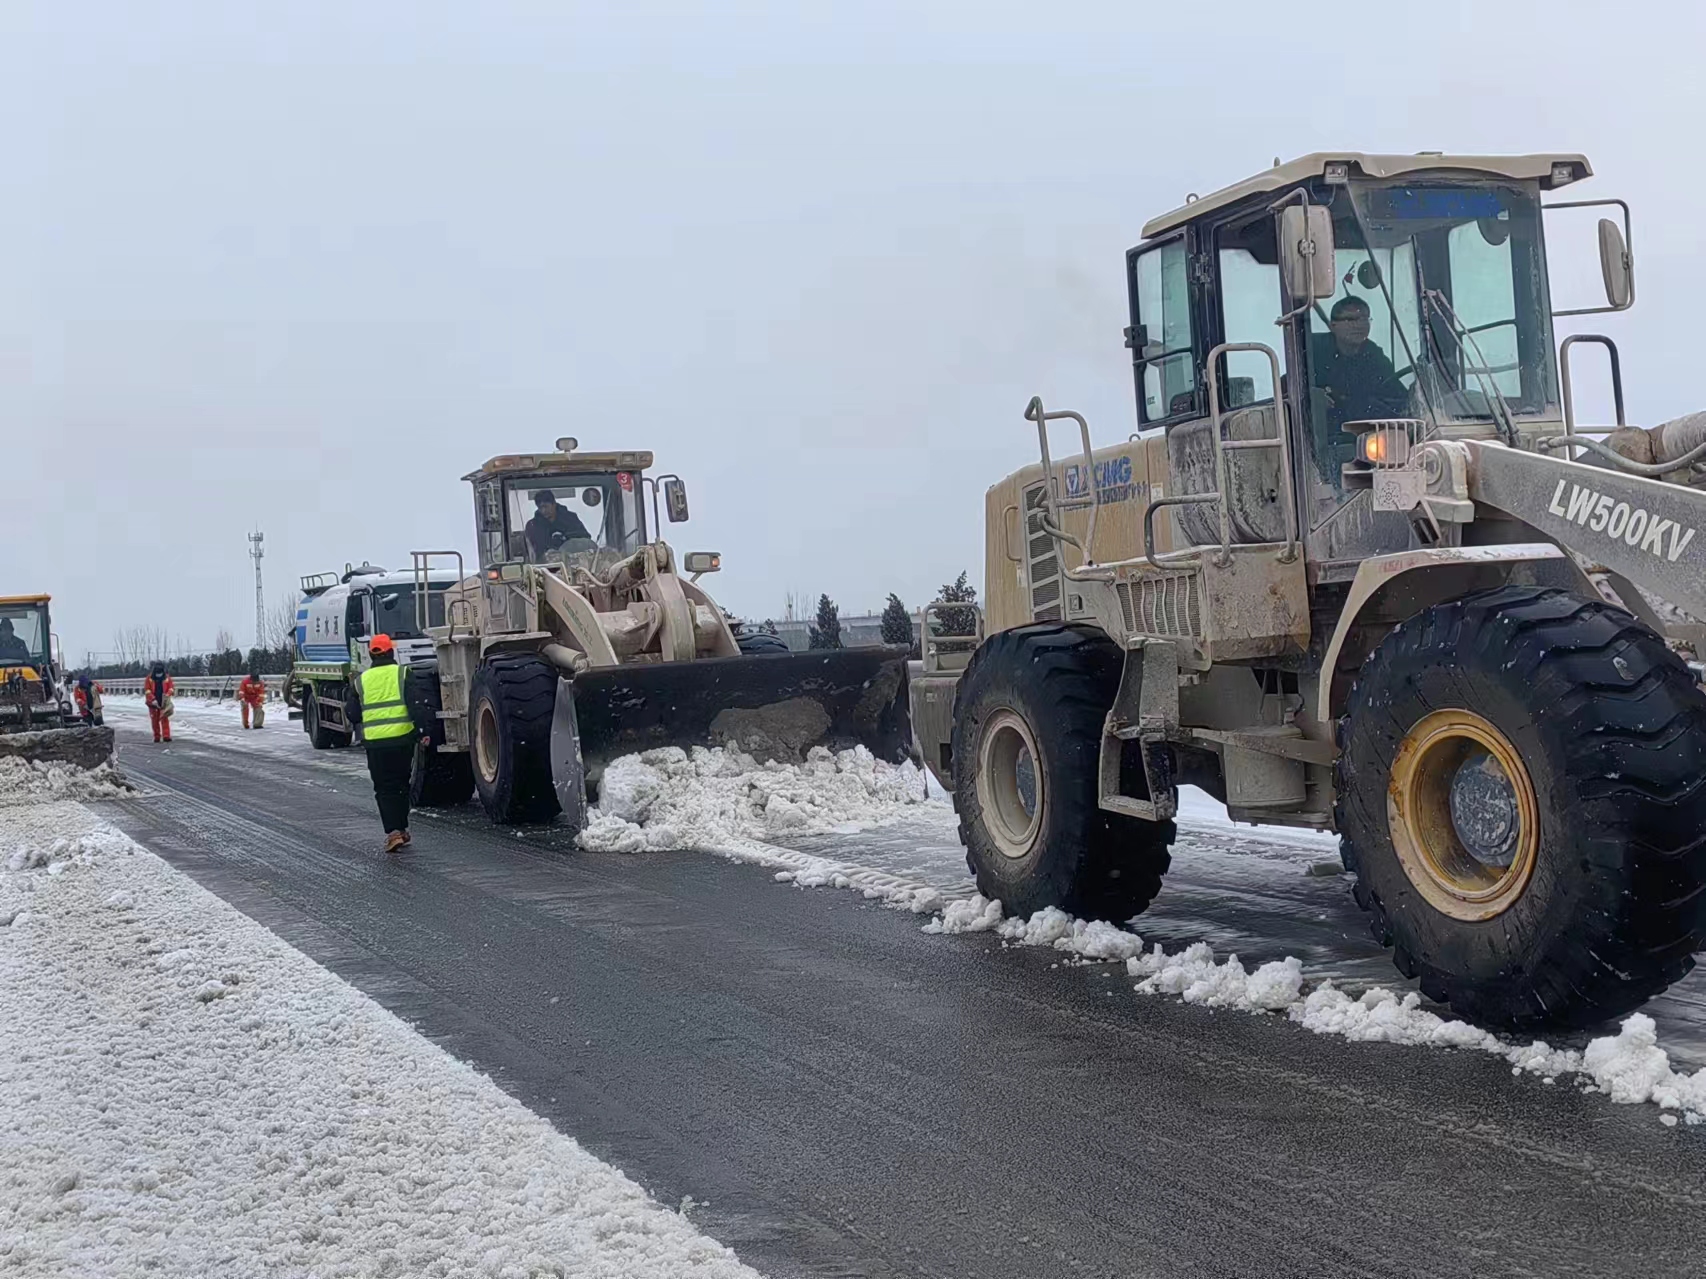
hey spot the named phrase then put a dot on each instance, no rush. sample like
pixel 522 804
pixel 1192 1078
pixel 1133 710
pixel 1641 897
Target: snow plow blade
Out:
pixel 775 706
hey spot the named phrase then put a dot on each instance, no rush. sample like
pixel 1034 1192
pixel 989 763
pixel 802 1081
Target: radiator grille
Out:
pixel 1168 605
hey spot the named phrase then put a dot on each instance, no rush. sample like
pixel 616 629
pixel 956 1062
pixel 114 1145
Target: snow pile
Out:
pixel 719 799
pixel 30 781
pixel 1196 977
pixel 974 914
pixel 182 1093
pixel 1630 1067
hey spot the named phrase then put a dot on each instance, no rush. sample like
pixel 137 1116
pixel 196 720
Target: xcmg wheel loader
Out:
pixel 1360 570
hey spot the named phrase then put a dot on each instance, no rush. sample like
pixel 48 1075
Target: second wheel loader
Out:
pixel 583 636
pixel 1362 571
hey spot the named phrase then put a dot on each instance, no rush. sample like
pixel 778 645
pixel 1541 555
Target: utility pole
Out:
pixel 256 550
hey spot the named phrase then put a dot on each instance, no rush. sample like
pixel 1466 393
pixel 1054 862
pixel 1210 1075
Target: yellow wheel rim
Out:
pixel 1463 815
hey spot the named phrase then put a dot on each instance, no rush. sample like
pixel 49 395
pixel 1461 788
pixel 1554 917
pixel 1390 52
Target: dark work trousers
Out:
pixel 389 763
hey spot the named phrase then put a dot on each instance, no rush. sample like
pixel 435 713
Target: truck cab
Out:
pixel 337 618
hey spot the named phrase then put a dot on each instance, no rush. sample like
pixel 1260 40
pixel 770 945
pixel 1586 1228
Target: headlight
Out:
pixel 1387 447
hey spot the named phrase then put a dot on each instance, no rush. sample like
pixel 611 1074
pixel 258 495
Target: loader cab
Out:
pixel 1434 310
pixel 26 633
pixel 530 508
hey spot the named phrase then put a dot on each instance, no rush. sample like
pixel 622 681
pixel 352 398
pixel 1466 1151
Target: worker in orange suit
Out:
pixel 252 694
pixel 88 692
pixel 157 692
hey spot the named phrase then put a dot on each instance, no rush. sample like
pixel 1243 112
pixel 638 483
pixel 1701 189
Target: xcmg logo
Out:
pixel 1112 481
pixel 1633 525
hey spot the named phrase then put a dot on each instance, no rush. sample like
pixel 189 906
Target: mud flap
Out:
pixel 568 768
pixel 775 706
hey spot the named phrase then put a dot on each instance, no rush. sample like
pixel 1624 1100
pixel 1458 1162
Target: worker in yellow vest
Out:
pixel 378 702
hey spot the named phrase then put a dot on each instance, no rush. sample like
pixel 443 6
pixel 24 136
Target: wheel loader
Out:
pixel 583 637
pixel 37 719
pixel 1361 570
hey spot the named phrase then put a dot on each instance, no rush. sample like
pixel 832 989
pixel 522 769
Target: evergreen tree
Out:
pixel 827 632
pixel 897 623
pixel 957 621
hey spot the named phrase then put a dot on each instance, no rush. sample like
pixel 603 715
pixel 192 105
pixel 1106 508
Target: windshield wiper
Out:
pixel 1465 340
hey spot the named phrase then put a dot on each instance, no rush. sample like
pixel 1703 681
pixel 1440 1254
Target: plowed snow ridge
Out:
pixel 722 801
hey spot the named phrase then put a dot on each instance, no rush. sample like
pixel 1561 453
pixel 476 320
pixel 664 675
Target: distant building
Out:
pixel 856 632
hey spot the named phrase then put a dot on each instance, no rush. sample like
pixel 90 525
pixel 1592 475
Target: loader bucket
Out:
pixel 774 706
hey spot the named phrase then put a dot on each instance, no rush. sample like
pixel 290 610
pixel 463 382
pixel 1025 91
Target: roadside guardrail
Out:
pixel 213 688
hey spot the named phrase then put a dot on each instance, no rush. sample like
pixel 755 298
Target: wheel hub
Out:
pixel 486 743
pixel 1010 787
pixel 1463 815
pixel 1484 810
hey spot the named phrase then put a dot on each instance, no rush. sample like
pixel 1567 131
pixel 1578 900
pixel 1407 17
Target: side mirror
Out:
pixel 698 562
pixel 1306 252
pixel 675 503
pixel 1616 266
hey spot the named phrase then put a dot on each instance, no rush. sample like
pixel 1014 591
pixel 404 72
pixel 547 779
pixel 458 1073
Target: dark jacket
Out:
pixel 420 714
pixel 540 530
pixel 1363 385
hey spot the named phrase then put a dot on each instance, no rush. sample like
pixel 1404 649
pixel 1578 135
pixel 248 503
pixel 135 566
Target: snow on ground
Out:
pixel 32 781
pixel 183 1093
pixel 723 802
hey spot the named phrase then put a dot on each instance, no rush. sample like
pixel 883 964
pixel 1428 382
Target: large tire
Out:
pixel 754 643
pixel 1042 840
pixel 322 737
pixel 1604 731
pixel 440 779
pixel 510 704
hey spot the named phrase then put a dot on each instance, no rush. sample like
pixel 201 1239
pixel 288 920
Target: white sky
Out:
pixel 305 265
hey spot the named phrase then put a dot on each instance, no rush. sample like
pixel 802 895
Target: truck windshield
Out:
pixel 1442 311
pixel 394 609
pixel 574 513
pixel 23 634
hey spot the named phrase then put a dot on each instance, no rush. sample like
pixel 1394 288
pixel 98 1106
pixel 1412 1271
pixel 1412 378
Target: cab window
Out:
pixel 1161 336
pixel 1250 302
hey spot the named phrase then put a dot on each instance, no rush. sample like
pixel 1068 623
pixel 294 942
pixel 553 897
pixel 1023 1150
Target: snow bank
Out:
pixel 721 800
pixel 182 1093
pixel 1628 1067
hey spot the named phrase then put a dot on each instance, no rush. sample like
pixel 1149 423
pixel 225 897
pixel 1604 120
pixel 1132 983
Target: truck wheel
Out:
pixel 319 734
pixel 510 704
pixel 1027 741
pixel 440 779
pixel 1522 796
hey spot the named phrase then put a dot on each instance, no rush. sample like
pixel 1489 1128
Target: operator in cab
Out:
pixel 1355 378
pixel 552 525
pixel 13 651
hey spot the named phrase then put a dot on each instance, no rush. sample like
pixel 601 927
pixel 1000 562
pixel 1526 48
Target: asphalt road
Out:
pixel 840 1095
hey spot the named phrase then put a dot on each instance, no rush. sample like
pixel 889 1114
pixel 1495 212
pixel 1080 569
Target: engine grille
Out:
pixel 1167 605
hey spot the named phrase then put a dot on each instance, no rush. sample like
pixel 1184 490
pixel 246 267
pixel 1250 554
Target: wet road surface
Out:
pixel 839 1094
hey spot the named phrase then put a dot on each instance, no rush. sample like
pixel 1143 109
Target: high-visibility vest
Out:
pixel 383 714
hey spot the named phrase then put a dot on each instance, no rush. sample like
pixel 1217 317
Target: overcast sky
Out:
pixel 302 266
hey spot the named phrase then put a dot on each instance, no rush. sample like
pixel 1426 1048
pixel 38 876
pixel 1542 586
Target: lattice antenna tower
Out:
pixel 256 550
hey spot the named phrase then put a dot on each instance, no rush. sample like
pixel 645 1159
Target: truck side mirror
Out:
pixel 1306 252
pixel 1616 266
pixel 675 500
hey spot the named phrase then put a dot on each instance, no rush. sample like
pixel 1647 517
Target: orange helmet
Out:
pixel 381 644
